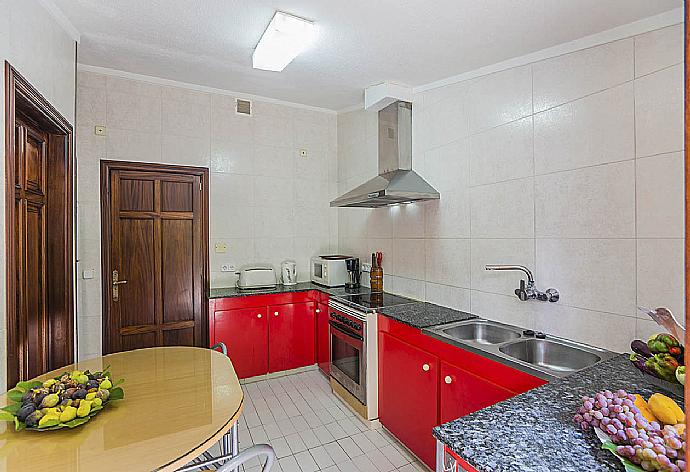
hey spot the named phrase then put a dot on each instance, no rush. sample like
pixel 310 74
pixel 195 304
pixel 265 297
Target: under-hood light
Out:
pixel 284 39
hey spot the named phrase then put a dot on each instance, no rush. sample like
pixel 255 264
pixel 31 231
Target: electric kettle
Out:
pixel 288 270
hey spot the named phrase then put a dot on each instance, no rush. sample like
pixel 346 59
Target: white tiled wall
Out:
pixel 266 202
pixel 571 166
pixel 34 44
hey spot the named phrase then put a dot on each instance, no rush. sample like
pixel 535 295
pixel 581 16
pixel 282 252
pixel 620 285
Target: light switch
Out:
pixel 88 274
pixel 221 248
pixel 99 130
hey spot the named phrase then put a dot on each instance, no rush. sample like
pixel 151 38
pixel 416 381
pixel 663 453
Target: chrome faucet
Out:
pixel 527 291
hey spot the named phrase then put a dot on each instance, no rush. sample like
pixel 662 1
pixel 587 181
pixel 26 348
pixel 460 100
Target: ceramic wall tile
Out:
pixel 659 112
pixel 503 210
pixel 502 153
pixel 500 251
pixel 594 202
pixel 593 274
pixel 448 262
pixel 660 207
pixel 597 129
pixel 575 75
pixel 661 274
pixel 658 49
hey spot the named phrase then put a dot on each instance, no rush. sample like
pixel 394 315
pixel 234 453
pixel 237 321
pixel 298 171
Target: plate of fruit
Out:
pixel 643 434
pixel 660 360
pixel 66 401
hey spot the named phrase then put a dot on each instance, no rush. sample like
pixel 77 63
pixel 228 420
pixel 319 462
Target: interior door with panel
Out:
pixel 245 333
pixel 291 335
pixel 408 395
pixel 155 256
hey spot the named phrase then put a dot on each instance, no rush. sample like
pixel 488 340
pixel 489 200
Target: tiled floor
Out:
pixel 311 430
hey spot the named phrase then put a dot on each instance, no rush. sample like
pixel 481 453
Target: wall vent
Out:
pixel 243 107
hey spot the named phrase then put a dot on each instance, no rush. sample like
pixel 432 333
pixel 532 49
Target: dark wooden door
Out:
pixel 30 235
pixel 155 272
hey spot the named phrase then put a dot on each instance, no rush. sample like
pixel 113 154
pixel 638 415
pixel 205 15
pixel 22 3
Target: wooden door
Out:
pixel 30 234
pixel 155 256
pixel 244 331
pixel 408 395
pixel 291 335
pixel 463 393
pixel 39 236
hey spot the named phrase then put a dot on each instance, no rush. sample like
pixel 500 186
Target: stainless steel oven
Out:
pixel 347 328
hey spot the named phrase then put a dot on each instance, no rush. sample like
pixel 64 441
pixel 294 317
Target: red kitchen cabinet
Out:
pixel 408 395
pixel 292 336
pixel 322 338
pixel 463 393
pixel 245 333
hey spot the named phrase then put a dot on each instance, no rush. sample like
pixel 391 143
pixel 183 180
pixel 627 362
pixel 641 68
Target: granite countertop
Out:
pixel 231 292
pixel 535 431
pixel 415 313
pixel 424 314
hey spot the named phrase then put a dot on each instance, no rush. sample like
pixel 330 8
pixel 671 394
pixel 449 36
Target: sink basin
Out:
pixel 551 355
pixel 481 332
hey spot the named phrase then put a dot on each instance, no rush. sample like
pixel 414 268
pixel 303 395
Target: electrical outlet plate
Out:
pixel 303 153
pixel 227 268
pixel 366 267
pixel 221 248
pixel 99 130
pixel 88 274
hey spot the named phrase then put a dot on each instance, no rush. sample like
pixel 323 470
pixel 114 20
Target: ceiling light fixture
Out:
pixel 285 37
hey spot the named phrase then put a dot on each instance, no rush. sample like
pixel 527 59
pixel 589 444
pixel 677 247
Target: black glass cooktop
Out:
pixel 377 300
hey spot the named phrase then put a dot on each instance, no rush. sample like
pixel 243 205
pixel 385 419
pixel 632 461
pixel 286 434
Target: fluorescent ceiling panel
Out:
pixel 284 39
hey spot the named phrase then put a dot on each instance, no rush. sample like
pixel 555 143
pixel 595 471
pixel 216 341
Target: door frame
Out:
pixel 107 167
pixel 22 97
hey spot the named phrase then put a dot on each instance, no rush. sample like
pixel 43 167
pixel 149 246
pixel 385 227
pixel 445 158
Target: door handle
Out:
pixel 116 285
pixel 275 313
pixel 426 367
pixel 448 379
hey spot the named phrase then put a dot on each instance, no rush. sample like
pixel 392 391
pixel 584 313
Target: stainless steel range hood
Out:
pixel 396 182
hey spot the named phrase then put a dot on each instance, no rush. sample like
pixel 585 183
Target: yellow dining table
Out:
pixel 179 401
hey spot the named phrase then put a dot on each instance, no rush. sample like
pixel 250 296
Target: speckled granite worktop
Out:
pixel 416 314
pixel 424 315
pixel 231 292
pixel 535 432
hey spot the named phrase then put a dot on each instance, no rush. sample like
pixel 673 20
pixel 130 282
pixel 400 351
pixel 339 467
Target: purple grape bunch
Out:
pixel 641 441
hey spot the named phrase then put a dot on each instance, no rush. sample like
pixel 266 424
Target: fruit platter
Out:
pixel 660 360
pixel 644 434
pixel 67 401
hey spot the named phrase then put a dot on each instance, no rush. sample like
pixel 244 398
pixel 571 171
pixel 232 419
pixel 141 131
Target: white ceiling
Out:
pixel 360 42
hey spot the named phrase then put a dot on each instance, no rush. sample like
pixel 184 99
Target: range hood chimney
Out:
pixel 396 182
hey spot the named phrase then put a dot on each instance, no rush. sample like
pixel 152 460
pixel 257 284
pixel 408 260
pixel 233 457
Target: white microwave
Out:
pixel 329 271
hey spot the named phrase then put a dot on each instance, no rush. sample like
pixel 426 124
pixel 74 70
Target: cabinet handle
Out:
pixel 426 367
pixel 275 313
pixel 259 315
pixel 318 311
pixel 448 379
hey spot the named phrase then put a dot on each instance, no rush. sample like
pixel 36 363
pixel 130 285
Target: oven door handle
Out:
pixel 345 331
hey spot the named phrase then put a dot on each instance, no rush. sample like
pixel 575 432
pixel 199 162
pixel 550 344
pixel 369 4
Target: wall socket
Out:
pixel 366 266
pixel 221 248
pixel 303 153
pixel 227 268
pixel 99 130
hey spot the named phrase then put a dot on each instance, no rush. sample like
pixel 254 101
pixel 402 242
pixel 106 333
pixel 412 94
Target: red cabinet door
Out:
pixel 245 333
pixel 322 338
pixel 408 395
pixel 463 393
pixel 292 336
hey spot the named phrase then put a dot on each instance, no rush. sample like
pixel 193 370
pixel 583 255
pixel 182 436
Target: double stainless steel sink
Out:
pixel 549 358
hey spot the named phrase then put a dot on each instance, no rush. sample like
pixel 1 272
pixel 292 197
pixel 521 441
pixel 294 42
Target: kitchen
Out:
pixel 557 153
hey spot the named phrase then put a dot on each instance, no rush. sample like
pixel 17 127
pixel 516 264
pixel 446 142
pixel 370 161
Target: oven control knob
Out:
pixel 358 326
pixel 426 367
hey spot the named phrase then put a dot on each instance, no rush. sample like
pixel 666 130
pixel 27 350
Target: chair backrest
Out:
pixel 220 346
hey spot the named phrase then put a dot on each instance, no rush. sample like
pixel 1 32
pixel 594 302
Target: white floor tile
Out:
pixel 306 462
pixel 289 464
pixel 350 447
pixel 280 446
pixel 323 460
pixel 295 442
pixel 336 452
